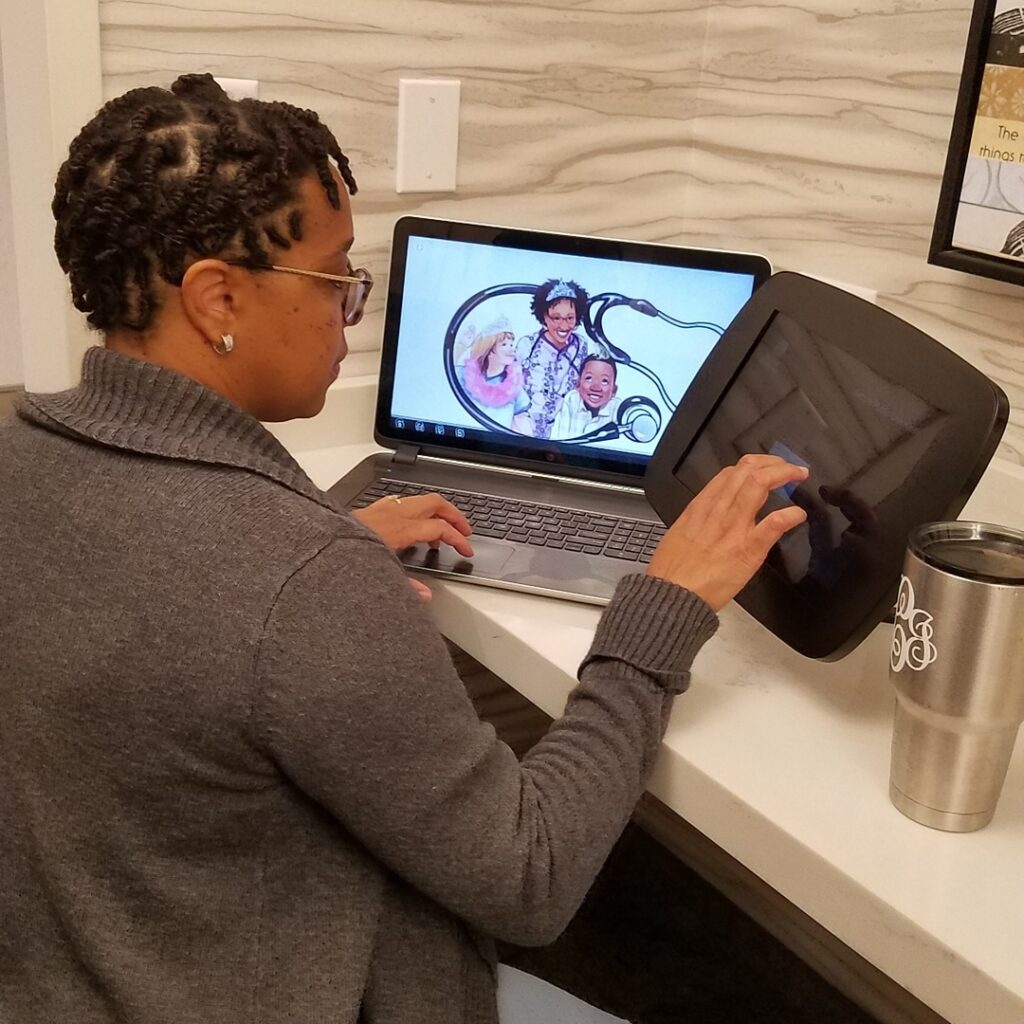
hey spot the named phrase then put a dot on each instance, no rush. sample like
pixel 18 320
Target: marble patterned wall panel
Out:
pixel 810 131
pixel 573 117
pixel 821 138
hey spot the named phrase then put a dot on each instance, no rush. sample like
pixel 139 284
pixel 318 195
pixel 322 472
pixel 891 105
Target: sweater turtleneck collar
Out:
pixel 137 406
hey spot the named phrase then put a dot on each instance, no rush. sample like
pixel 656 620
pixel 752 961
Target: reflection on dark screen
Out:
pixel 860 434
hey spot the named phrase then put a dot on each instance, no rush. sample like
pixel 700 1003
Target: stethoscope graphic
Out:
pixel 638 418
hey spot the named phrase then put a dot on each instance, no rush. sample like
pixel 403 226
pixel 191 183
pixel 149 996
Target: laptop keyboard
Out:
pixel 548 526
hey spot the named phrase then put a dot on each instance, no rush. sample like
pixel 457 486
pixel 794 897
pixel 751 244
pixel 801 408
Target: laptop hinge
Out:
pixel 405 455
pixel 531 475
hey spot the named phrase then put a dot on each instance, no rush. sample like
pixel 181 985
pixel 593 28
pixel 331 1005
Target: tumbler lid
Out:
pixel 976 551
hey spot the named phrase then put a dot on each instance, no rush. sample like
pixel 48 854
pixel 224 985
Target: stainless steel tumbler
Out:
pixel 957 663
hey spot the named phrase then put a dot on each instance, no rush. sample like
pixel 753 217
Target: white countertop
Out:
pixel 783 762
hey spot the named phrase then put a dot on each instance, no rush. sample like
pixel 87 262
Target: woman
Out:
pixel 241 779
pixel 552 357
pixel 492 377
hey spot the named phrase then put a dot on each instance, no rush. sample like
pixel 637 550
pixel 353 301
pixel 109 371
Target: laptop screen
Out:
pixel 566 353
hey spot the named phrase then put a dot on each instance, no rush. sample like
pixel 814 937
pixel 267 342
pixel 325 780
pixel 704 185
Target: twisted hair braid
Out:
pixel 158 179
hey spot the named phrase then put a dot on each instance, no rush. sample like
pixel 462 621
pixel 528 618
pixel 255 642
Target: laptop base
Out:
pixel 571 575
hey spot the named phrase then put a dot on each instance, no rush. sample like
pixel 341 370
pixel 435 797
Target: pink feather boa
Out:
pixel 490 394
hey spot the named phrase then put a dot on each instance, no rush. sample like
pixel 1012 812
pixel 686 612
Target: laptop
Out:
pixel 527 376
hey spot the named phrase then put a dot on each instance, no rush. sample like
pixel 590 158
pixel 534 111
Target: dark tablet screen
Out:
pixel 894 428
pixel 864 438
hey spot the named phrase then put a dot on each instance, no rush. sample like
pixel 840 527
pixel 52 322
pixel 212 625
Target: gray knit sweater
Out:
pixel 240 780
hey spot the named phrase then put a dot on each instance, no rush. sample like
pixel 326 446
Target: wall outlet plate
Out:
pixel 428 134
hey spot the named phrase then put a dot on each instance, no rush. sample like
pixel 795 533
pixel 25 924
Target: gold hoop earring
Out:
pixel 225 345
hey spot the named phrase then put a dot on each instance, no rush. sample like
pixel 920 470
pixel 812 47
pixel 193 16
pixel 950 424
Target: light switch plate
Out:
pixel 428 134
pixel 239 88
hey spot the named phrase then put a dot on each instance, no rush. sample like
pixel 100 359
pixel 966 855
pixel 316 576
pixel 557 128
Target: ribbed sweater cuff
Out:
pixel 654 626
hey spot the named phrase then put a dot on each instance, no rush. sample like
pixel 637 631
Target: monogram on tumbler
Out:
pixel 957 664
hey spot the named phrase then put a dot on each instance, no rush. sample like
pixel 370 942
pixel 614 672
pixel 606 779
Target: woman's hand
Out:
pixel 420 519
pixel 716 545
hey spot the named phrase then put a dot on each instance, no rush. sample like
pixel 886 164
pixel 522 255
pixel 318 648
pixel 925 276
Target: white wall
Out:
pixel 49 58
pixel 10 349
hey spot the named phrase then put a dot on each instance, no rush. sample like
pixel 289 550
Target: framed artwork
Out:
pixel 979 225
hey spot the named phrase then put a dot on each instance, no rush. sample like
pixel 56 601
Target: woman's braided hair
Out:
pixel 158 179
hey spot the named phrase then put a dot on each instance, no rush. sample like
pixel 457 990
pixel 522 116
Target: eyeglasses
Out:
pixel 357 286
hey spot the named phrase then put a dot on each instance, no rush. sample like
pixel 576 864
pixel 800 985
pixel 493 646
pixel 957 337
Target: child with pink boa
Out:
pixel 493 378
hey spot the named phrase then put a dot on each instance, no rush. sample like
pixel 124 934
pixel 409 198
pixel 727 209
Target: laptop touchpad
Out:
pixel 489 558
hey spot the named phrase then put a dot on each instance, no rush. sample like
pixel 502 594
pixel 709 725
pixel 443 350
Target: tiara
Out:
pixel 561 290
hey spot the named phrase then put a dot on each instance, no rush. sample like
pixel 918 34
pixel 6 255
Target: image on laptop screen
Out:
pixel 556 348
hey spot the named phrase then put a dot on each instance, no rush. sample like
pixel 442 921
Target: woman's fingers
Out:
pixel 770 530
pixel 434 532
pixel 742 487
pixel 428 505
pixel 717 544
pixel 419 519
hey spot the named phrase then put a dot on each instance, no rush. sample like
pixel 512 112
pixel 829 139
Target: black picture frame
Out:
pixel 995 47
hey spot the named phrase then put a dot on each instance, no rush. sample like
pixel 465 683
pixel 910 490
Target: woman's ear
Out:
pixel 208 298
